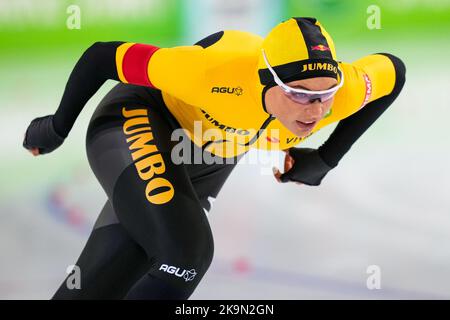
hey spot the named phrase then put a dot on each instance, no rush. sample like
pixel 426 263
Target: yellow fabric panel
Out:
pixel 282 47
pixel 381 72
pixel 179 71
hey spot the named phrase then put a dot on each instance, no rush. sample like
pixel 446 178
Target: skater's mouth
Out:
pixel 305 125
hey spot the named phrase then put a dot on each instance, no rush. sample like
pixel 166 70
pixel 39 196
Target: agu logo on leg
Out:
pixel 187 275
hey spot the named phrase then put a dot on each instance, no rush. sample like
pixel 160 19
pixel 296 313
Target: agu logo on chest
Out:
pixel 230 90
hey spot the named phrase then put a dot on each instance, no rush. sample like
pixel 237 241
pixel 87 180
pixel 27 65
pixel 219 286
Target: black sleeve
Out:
pixel 350 129
pixel 96 65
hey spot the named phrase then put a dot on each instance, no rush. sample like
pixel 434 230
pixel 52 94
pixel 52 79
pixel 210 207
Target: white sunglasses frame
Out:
pixel 288 89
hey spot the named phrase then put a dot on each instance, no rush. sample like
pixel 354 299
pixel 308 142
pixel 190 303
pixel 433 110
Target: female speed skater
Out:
pixel 152 239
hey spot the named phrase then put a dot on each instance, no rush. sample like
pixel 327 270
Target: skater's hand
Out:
pixel 304 166
pixel 288 164
pixel 41 137
pixel 33 151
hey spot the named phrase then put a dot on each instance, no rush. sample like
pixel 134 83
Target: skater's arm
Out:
pixel 96 65
pixel 175 70
pixel 178 71
pixel 351 128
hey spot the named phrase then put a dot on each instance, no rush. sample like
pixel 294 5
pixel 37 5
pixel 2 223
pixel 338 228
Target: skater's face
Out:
pixel 299 118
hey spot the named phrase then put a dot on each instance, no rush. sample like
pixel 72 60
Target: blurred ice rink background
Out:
pixel 387 204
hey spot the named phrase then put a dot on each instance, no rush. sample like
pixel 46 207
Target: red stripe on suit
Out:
pixel 135 62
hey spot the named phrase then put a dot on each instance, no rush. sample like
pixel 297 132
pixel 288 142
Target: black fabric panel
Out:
pixel 313 37
pixel 110 264
pixel 292 70
pixel 260 131
pixel 209 40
